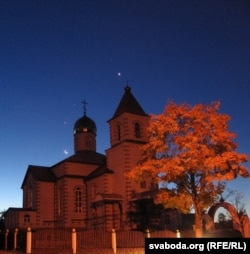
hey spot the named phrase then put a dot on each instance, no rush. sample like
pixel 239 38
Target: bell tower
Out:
pixel 128 131
pixel 129 122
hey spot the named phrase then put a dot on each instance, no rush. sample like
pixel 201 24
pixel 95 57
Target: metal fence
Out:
pixel 60 240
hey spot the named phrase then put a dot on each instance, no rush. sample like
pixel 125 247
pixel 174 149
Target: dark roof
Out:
pixel 45 174
pixel 111 196
pixel 99 171
pixel 85 124
pixel 40 173
pixel 87 156
pixel 129 104
pixel 20 209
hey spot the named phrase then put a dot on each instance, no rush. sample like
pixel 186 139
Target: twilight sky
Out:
pixel 56 53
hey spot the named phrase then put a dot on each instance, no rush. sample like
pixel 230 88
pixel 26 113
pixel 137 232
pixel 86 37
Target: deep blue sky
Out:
pixel 56 53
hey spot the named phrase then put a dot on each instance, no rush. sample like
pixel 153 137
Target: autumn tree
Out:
pixel 191 154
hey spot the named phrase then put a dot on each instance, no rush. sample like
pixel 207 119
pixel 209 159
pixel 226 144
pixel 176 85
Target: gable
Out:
pixel 86 157
pixel 98 172
pixel 39 173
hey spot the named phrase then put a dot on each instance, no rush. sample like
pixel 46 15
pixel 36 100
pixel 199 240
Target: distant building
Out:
pixel 89 190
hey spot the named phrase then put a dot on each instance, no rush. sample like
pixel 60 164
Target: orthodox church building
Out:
pixel 89 190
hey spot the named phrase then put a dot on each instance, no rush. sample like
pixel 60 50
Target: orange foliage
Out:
pixel 193 148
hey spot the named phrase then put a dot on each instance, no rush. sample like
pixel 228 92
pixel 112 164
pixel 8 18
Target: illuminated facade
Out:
pixel 89 190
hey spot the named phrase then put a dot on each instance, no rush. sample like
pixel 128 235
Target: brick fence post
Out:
pixel 6 239
pixel 73 240
pixel 15 238
pixel 113 240
pixel 178 234
pixel 28 240
pixel 147 233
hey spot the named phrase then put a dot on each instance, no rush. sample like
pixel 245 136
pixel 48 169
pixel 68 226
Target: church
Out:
pixel 89 190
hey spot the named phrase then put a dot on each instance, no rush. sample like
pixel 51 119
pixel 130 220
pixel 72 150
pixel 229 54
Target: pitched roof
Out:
pixel 99 171
pixel 45 174
pixel 19 209
pixel 129 104
pixel 89 157
pixel 39 173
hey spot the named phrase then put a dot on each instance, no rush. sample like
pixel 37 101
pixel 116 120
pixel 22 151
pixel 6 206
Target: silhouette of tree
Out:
pixel 235 198
pixel 2 225
pixel 191 154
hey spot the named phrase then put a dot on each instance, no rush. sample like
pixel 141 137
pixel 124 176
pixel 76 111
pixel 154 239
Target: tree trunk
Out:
pixel 198 225
pixel 198 214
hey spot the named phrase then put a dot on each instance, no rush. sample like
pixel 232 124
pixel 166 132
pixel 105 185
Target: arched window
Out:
pixel 26 218
pixel 137 130
pixel 78 200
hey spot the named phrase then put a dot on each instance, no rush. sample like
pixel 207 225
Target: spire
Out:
pixel 129 104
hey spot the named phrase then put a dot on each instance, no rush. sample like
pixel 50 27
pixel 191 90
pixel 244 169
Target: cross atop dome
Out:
pixel 84 107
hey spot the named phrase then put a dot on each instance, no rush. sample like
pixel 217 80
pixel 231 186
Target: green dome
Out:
pixel 85 124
